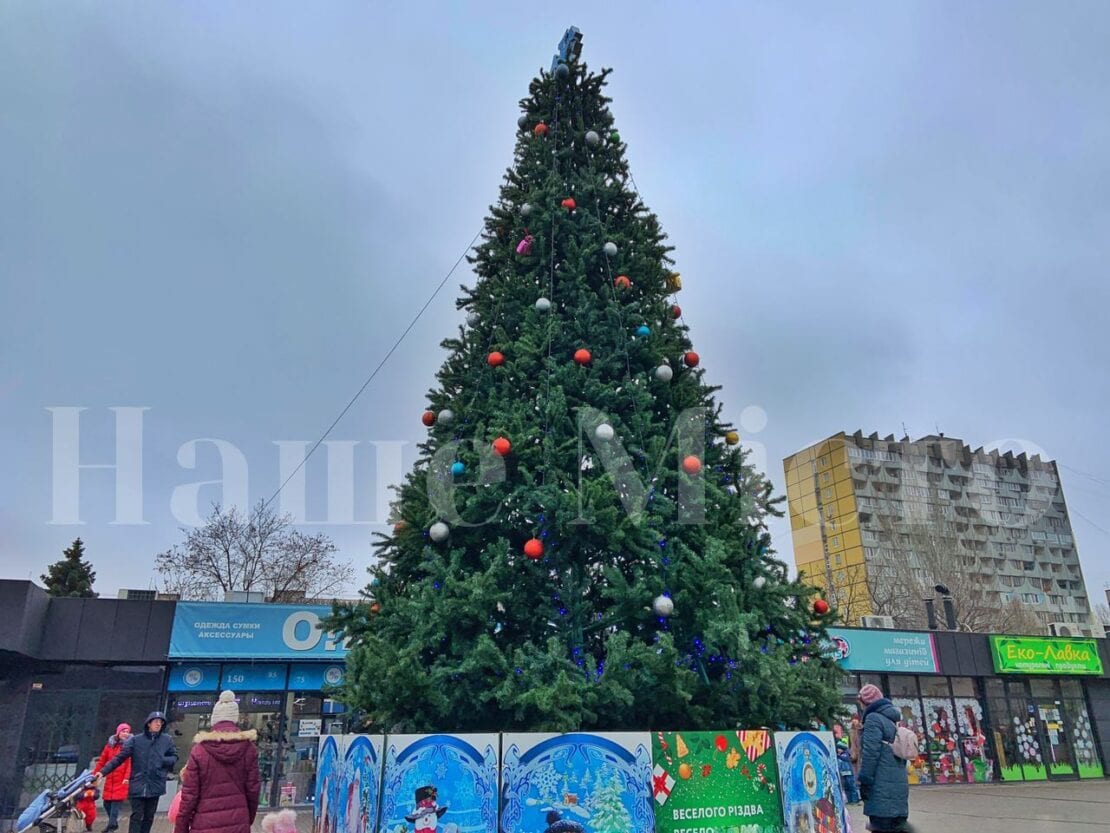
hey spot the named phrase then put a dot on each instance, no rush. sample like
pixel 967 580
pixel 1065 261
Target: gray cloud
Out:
pixel 883 214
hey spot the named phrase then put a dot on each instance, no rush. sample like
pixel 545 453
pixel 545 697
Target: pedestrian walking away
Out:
pixel 221 793
pixel 883 783
pixel 152 756
pixel 116 784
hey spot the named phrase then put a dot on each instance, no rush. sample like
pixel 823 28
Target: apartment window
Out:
pixel 835 541
pixel 827 493
pixel 1032 598
pixel 825 477
pixel 824 461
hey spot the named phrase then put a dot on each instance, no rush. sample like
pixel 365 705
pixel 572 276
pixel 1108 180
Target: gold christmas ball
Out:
pixel 732 437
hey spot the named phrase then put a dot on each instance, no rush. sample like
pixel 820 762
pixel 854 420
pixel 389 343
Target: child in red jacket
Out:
pixel 86 805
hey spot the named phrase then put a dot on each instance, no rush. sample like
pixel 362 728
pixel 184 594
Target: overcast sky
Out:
pixel 884 214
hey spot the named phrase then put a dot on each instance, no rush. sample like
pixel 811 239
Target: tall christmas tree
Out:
pixel 582 544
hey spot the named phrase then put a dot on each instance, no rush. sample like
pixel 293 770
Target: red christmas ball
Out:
pixel 569 204
pixel 429 418
pixel 676 311
pixel 533 548
pixel 622 282
pixel 721 742
pixel 582 356
pixel 540 129
pixel 691 465
pixel 502 447
pixel 399 527
pixel 691 359
pixel 375 609
pixel 820 607
pixel 495 359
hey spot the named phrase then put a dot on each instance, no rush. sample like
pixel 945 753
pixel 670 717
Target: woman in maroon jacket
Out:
pixel 221 793
pixel 116 785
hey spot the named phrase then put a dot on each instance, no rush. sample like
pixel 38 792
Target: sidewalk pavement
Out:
pixel 1006 808
pixel 984 808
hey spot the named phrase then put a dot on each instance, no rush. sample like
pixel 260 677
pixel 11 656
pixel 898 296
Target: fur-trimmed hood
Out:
pixel 226 737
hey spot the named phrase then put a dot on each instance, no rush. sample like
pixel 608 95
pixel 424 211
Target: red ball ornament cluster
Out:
pixel 820 607
pixel 429 418
pixel 676 311
pixel 502 447
pixel 540 129
pixel 691 464
pixel 569 204
pixel 495 359
pixel 691 359
pixel 622 282
pixel 582 356
pixel 533 548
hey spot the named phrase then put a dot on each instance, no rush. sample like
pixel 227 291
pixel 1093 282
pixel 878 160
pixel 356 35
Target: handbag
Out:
pixel 175 807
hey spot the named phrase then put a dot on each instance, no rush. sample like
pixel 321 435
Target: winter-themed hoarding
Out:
pixel 708 781
pixel 576 783
pixel 440 784
pixel 812 801
pixel 348 777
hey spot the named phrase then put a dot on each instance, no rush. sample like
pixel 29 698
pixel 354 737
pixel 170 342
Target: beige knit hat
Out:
pixel 226 709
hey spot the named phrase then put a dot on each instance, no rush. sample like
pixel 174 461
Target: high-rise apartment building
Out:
pixel 872 516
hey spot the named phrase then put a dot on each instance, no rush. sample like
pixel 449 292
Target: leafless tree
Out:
pixel 913 556
pixel 257 552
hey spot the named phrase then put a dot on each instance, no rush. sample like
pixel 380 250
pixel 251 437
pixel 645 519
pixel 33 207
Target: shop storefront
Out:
pixel 281 667
pixel 984 708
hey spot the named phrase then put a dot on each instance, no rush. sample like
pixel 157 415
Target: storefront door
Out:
pixel 1055 733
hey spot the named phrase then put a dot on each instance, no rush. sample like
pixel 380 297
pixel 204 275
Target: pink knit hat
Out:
pixel 869 694
pixel 123 726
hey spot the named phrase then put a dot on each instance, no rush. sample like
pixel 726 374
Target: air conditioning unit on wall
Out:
pixel 1065 629
pixel 881 622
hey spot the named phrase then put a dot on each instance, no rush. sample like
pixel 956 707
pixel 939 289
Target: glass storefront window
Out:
pixel 1004 734
pixel 943 731
pixel 902 686
pixel 1083 742
pixel 910 707
pixel 1026 733
pixel 972 738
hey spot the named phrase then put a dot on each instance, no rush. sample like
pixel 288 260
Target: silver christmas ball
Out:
pixel 759 583
pixel 526 209
pixel 604 432
pixel 663 606
pixel 543 305
pixel 439 531
pixel 664 373
pixel 445 417
pixel 592 139
pixel 522 122
pixel 610 249
pixel 472 318
pixel 562 72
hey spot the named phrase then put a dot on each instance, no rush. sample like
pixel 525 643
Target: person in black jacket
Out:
pixel 153 757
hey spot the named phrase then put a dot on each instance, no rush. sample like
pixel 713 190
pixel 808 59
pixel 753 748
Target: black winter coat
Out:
pixel 153 757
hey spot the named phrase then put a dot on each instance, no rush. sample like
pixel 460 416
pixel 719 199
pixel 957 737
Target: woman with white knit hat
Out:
pixel 221 793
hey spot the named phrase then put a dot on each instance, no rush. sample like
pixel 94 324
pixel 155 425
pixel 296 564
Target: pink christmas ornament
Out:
pixel 524 247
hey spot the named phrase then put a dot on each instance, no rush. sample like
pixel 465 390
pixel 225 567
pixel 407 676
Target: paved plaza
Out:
pixel 995 808
pixel 1007 808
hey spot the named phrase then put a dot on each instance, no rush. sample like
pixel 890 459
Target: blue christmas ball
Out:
pixel 562 72
pixel 458 468
pixel 643 331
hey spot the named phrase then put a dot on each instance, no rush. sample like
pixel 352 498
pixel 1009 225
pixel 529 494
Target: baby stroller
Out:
pixel 53 804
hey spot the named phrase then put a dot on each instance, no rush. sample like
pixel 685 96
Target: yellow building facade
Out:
pixel 825 526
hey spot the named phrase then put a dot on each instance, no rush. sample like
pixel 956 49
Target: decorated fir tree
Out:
pixel 582 544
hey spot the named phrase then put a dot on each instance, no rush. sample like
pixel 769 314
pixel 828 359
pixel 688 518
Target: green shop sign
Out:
pixel 1033 655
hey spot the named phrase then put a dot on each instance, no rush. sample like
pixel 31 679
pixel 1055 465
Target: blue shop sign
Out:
pixel 315 676
pixel 895 652
pixel 215 630
pixel 267 676
pixel 194 677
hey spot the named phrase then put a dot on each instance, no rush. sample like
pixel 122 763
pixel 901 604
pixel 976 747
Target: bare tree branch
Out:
pixel 260 553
